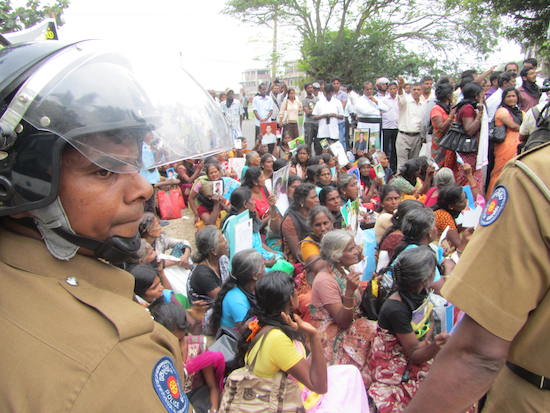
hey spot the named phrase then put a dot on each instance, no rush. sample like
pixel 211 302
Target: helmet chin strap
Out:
pixel 63 243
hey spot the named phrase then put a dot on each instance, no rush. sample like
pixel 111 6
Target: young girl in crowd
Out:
pixel 404 345
pixel 299 161
pixel 200 366
pixel 390 197
pixel 450 203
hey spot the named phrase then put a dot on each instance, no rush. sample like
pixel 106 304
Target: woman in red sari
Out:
pixel 469 114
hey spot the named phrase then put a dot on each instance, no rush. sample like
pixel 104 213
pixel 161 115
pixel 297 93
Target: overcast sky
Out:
pixel 215 48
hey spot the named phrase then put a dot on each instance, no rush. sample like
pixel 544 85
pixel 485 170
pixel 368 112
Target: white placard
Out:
pixel 244 239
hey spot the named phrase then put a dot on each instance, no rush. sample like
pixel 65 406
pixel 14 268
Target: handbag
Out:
pixel 245 392
pixel 497 134
pixel 227 341
pixel 456 139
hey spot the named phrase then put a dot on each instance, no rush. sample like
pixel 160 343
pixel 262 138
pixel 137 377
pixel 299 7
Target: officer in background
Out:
pixel 72 123
pixel 502 283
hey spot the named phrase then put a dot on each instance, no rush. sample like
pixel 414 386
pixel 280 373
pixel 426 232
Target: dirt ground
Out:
pixel 182 228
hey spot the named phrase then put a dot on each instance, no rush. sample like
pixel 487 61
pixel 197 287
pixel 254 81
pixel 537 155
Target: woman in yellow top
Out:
pixel 275 344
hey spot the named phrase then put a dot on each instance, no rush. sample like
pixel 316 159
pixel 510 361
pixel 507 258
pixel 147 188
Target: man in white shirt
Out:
pixel 382 84
pixel 389 124
pixel 367 107
pixel 505 80
pixel 411 114
pixel 328 112
pixel 262 106
pixel 342 96
pixel 233 111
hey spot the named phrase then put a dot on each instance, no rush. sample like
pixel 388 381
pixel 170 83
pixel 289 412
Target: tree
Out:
pixel 531 19
pixel 22 17
pixel 361 39
pixel 265 13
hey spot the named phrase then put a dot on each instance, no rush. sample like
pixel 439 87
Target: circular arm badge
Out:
pixel 495 205
pixel 167 384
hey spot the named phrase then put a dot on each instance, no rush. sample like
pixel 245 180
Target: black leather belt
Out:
pixel 541 382
pixel 409 133
pixel 369 120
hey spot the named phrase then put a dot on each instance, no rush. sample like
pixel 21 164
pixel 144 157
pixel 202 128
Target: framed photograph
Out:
pixel 171 173
pixel 217 188
pixel 269 132
pixel 360 140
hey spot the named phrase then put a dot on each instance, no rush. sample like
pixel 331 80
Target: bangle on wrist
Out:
pixel 348 308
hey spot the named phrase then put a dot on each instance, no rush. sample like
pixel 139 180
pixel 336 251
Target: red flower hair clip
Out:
pixel 254 327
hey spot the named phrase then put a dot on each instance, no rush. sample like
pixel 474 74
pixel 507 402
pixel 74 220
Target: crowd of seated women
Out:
pixel 295 297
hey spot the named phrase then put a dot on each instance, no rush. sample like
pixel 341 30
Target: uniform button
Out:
pixel 71 281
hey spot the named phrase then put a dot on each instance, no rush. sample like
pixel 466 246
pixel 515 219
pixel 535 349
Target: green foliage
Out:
pixel 22 17
pixel 531 20
pixel 356 59
pixel 361 39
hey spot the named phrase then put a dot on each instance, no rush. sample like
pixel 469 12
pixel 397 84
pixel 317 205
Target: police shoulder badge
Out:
pixel 166 383
pixel 495 206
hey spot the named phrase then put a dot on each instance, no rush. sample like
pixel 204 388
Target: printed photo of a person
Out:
pixel 268 136
pixel 360 141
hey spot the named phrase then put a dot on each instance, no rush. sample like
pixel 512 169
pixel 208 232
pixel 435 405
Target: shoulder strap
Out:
pixel 534 178
pixel 261 336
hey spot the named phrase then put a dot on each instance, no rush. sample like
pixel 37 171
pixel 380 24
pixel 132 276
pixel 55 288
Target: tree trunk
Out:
pixel 274 52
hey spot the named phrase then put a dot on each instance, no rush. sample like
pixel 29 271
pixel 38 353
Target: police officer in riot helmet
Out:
pixel 72 122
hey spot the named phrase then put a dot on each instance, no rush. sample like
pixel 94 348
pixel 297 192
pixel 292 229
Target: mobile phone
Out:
pixel 199 297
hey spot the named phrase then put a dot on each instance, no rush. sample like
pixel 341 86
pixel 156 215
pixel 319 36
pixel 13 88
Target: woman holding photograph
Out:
pixel 288 115
pixel 209 207
pixel 255 181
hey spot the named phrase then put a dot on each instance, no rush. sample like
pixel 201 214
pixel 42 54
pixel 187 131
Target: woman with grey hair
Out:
pixel 206 279
pixel 335 300
pixel 442 178
pixel 236 296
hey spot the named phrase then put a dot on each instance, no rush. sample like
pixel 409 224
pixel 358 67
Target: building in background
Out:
pixel 253 77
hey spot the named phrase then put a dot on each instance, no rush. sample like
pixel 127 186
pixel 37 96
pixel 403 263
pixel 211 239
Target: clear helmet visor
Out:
pixel 123 112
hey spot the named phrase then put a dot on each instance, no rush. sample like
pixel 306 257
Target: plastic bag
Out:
pixel 170 203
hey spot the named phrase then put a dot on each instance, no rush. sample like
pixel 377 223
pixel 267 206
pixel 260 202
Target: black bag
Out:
pixel 227 341
pixel 497 134
pixel 373 297
pixel 456 139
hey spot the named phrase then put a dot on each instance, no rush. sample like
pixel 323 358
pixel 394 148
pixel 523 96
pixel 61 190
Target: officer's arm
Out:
pixel 462 372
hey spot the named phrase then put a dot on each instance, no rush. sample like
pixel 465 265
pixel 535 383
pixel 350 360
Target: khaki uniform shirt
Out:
pixel 79 344
pixel 503 278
